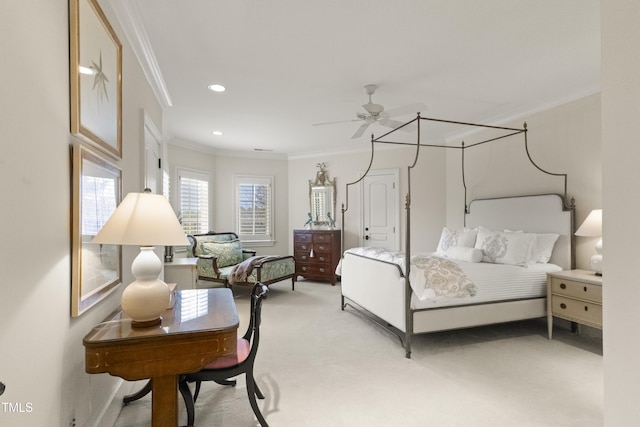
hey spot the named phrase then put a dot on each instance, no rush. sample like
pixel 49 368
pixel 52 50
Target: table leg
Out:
pixel 164 401
pixel 138 394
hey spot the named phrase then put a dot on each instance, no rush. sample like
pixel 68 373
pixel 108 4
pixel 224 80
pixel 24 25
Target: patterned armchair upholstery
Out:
pixel 219 253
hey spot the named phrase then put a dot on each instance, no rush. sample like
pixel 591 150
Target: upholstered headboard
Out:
pixel 545 213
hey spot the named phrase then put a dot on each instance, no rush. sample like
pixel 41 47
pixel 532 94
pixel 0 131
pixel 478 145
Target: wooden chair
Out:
pixel 222 369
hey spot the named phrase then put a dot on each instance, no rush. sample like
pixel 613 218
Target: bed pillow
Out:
pixel 450 238
pixel 501 247
pixel 227 252
pixel 461 253
pixel 543 248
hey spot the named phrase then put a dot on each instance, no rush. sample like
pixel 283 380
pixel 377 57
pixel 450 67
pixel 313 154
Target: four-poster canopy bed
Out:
pixel 492 271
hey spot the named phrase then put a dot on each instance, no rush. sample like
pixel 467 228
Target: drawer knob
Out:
pixel 563 305
pixel 586 308
pixel 321 258
pixel 304 268
pixel 563 286
pixel 585 289
pixel 322 270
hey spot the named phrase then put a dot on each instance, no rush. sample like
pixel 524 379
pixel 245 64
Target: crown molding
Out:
pixel 129 16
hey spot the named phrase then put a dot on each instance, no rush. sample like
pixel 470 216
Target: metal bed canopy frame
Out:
pixel 418 144
pixel 509 132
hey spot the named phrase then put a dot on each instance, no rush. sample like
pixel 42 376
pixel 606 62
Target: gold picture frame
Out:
pixel 96 270
pixel 96 77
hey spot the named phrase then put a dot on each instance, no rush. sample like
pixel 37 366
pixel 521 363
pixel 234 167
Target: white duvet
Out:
pixel 480 282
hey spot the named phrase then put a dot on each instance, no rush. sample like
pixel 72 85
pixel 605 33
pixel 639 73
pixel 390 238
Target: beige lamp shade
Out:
pixel 592 226
pixel 147 220
pixel 143 219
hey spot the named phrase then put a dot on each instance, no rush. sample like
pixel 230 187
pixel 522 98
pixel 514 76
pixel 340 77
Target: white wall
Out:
pixel 564 139
pixel 429 195
pixel 223 167
pixel 621 174
pixel 42 357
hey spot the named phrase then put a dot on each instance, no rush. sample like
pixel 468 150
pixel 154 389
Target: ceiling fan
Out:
pixel 376 113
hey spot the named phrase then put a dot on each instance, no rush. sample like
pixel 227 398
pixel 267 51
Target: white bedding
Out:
pixel 496 282
pixel 493 282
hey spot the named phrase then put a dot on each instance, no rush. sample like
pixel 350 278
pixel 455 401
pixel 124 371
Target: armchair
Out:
pixel 221 254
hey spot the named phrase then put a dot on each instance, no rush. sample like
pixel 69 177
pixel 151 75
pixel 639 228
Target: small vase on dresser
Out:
pixel 317 253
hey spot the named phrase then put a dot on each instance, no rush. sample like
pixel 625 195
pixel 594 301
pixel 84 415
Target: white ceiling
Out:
pixel 289 63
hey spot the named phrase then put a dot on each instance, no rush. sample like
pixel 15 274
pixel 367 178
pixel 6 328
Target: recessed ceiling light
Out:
pixel 217 133
pixel 217 88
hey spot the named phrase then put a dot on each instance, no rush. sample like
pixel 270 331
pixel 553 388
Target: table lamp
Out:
pixel 592 227
pixel 147 220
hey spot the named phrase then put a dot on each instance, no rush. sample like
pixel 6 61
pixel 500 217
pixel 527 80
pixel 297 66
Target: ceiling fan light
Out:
pixel 217 133
pixel 373 108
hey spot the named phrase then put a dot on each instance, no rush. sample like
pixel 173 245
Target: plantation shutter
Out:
pixel 254 208
pixel 194 202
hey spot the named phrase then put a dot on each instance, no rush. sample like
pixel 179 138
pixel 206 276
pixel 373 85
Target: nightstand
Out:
pixel 574 295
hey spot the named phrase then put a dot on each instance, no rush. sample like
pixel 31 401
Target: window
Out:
pixel 254 208
pixel 193 200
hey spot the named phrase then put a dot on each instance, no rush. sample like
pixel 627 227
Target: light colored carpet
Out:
pixel 319 366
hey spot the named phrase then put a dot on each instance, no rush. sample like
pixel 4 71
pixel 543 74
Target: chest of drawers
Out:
pixel 574 295
pixel 317 253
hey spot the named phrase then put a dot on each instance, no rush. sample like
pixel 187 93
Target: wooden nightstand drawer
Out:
pixel 577 311
pixel 575 289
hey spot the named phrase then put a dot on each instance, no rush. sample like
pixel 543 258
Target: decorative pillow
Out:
pixel 505 247
pixel 450 238
pixel 462 253
pixel 227 253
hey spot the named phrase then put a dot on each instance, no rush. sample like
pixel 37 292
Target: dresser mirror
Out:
pixel 322 198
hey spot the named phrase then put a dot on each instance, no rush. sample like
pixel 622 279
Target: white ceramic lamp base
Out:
pixel 596 260
pixel 147 297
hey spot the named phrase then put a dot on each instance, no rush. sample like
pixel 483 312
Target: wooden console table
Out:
pixel 200 327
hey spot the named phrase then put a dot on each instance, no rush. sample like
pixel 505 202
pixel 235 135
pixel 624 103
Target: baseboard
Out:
pixel 109 414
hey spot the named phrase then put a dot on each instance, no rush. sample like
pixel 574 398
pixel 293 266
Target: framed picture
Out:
pixel 96 270
pixel 96 77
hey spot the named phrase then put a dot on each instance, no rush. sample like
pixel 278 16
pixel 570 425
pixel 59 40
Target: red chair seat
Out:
pixel 244 346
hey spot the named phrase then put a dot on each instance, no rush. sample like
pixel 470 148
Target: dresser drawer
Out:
pixel 322 238
pixel 577 311
pixel 319 258
pixel 302 247
pixel 302 237
pixel 321 248
pixel 574 289
pixel 311 270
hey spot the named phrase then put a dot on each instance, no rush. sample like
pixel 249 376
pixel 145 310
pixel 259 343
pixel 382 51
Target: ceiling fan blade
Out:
pixel 390 123
pixel 333 123
pixel 360 131
pixel 407 109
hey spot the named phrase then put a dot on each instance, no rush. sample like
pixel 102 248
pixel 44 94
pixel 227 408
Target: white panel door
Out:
pixel 380 209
